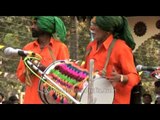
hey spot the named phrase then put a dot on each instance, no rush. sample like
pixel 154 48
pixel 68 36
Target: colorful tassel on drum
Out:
pixel 65 101
pixel 70 78
pixel 51 92
pixel 55 96
pixel 58 99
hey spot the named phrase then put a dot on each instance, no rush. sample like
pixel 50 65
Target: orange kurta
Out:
pixel 60 52
pixel 122 59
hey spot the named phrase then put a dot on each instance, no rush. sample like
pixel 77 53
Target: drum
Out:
pixel 75 82
pixel 102 90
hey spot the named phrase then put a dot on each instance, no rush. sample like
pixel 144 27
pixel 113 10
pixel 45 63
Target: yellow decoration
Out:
pixel 1 46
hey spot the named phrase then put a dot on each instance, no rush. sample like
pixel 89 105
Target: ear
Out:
pixel 108 33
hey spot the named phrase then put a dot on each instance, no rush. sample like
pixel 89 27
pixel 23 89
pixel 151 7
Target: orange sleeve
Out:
pixel 20 71
pixel 63 53
pixel 128 67
pixel 21 66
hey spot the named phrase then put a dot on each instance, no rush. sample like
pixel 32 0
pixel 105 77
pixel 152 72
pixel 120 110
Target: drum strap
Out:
pixel 108 56
pixel 51 53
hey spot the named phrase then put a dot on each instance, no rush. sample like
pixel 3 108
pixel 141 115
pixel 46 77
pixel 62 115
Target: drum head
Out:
pixel 102 91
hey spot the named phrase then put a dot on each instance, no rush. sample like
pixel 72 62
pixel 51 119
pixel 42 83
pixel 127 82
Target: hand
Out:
pixel 115 77
pixel 39 65
pixel 28 75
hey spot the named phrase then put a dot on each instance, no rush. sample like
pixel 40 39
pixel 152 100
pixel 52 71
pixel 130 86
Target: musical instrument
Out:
pixel 64 82
pixel 74 84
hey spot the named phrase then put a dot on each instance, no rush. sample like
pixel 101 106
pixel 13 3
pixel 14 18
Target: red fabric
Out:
pixel 122 59
pixel 60 52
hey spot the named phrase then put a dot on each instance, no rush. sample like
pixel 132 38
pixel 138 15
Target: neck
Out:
pixel 100 42
pixel 43 41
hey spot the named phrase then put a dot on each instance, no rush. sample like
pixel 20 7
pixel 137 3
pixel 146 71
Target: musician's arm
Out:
pixel 63 53
pixel 20 72
pixel 130 75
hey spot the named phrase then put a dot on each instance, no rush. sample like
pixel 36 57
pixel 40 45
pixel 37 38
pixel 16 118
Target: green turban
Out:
pixel 52 24
pixel 118 25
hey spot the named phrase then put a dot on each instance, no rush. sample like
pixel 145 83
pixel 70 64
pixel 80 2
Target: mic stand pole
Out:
pixel 90 83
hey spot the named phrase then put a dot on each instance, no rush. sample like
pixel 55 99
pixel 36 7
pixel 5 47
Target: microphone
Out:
pixel 146 68
pixel 9 51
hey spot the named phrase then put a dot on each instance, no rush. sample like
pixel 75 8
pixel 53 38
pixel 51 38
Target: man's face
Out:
pixel 35 30
pixel 97 32
pixel 147 99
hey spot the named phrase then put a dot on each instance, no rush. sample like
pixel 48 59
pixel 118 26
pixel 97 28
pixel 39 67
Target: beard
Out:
pixel 35 33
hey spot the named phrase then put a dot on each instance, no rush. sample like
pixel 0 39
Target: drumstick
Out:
pixel 90 83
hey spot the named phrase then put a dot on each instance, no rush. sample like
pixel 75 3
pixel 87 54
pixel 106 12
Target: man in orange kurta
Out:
pixel 49 48
pixel 121 68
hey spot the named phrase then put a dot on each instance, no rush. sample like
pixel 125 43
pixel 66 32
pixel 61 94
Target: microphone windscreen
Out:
pixel 139 67
pixel 7 51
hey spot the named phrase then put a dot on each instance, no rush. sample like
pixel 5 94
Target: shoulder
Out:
pixel 91 44
pixel 55 41
pixel 121 45
pixel 121 48
pixel 29 45
pixel 58 43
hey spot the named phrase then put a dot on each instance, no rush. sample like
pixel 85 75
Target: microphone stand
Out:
pixel 90 82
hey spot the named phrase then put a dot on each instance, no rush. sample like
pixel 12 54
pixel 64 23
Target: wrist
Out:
pixel 123 79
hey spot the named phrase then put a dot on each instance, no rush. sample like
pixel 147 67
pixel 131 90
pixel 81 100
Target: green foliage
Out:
pixel 15 29
pixel 14 32
pixel 11 40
